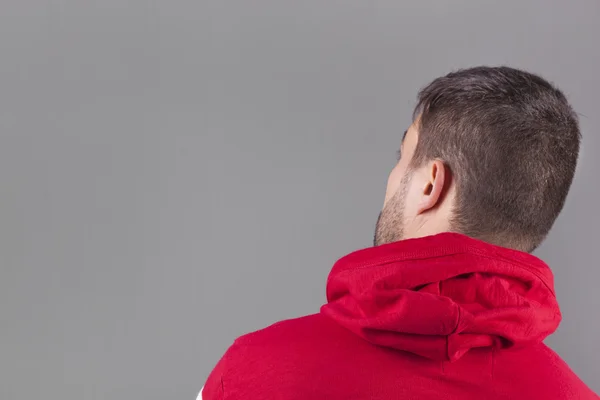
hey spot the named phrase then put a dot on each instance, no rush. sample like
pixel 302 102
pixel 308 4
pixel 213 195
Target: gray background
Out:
pixel 175 174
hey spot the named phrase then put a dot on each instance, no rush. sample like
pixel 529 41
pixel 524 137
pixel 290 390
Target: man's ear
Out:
pixel 433 190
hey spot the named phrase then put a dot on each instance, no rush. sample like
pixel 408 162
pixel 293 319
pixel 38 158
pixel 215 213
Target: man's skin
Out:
pixel 418 202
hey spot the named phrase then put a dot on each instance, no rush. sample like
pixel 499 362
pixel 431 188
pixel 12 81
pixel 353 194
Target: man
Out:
pixel 449 303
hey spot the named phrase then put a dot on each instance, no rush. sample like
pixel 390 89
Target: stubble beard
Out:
pixel 390 223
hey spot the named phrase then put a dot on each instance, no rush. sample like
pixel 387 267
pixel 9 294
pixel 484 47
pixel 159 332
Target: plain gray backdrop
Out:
pixel 175 174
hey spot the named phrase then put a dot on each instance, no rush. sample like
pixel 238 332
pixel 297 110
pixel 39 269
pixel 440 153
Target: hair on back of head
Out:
pixel 511 141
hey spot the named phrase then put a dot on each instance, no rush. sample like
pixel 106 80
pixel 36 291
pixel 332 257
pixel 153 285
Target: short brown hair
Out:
pixel 511 141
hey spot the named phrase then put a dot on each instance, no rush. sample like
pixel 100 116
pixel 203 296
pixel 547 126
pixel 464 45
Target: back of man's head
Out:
pixel 511 141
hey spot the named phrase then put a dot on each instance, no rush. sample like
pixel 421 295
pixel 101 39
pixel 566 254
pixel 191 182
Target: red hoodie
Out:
pixel 441 317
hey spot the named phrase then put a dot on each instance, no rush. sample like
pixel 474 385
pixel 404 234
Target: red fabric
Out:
pixel 441 317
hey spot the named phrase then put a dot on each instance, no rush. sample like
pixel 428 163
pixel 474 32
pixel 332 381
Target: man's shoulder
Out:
pixel 538 370
pixel 305 328
pixel 289 343
pixel 255 360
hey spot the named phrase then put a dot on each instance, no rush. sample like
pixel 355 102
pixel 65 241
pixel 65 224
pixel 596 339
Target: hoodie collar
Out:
pixel 440 296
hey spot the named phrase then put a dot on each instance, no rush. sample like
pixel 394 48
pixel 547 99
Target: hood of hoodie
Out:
pixel 440 296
